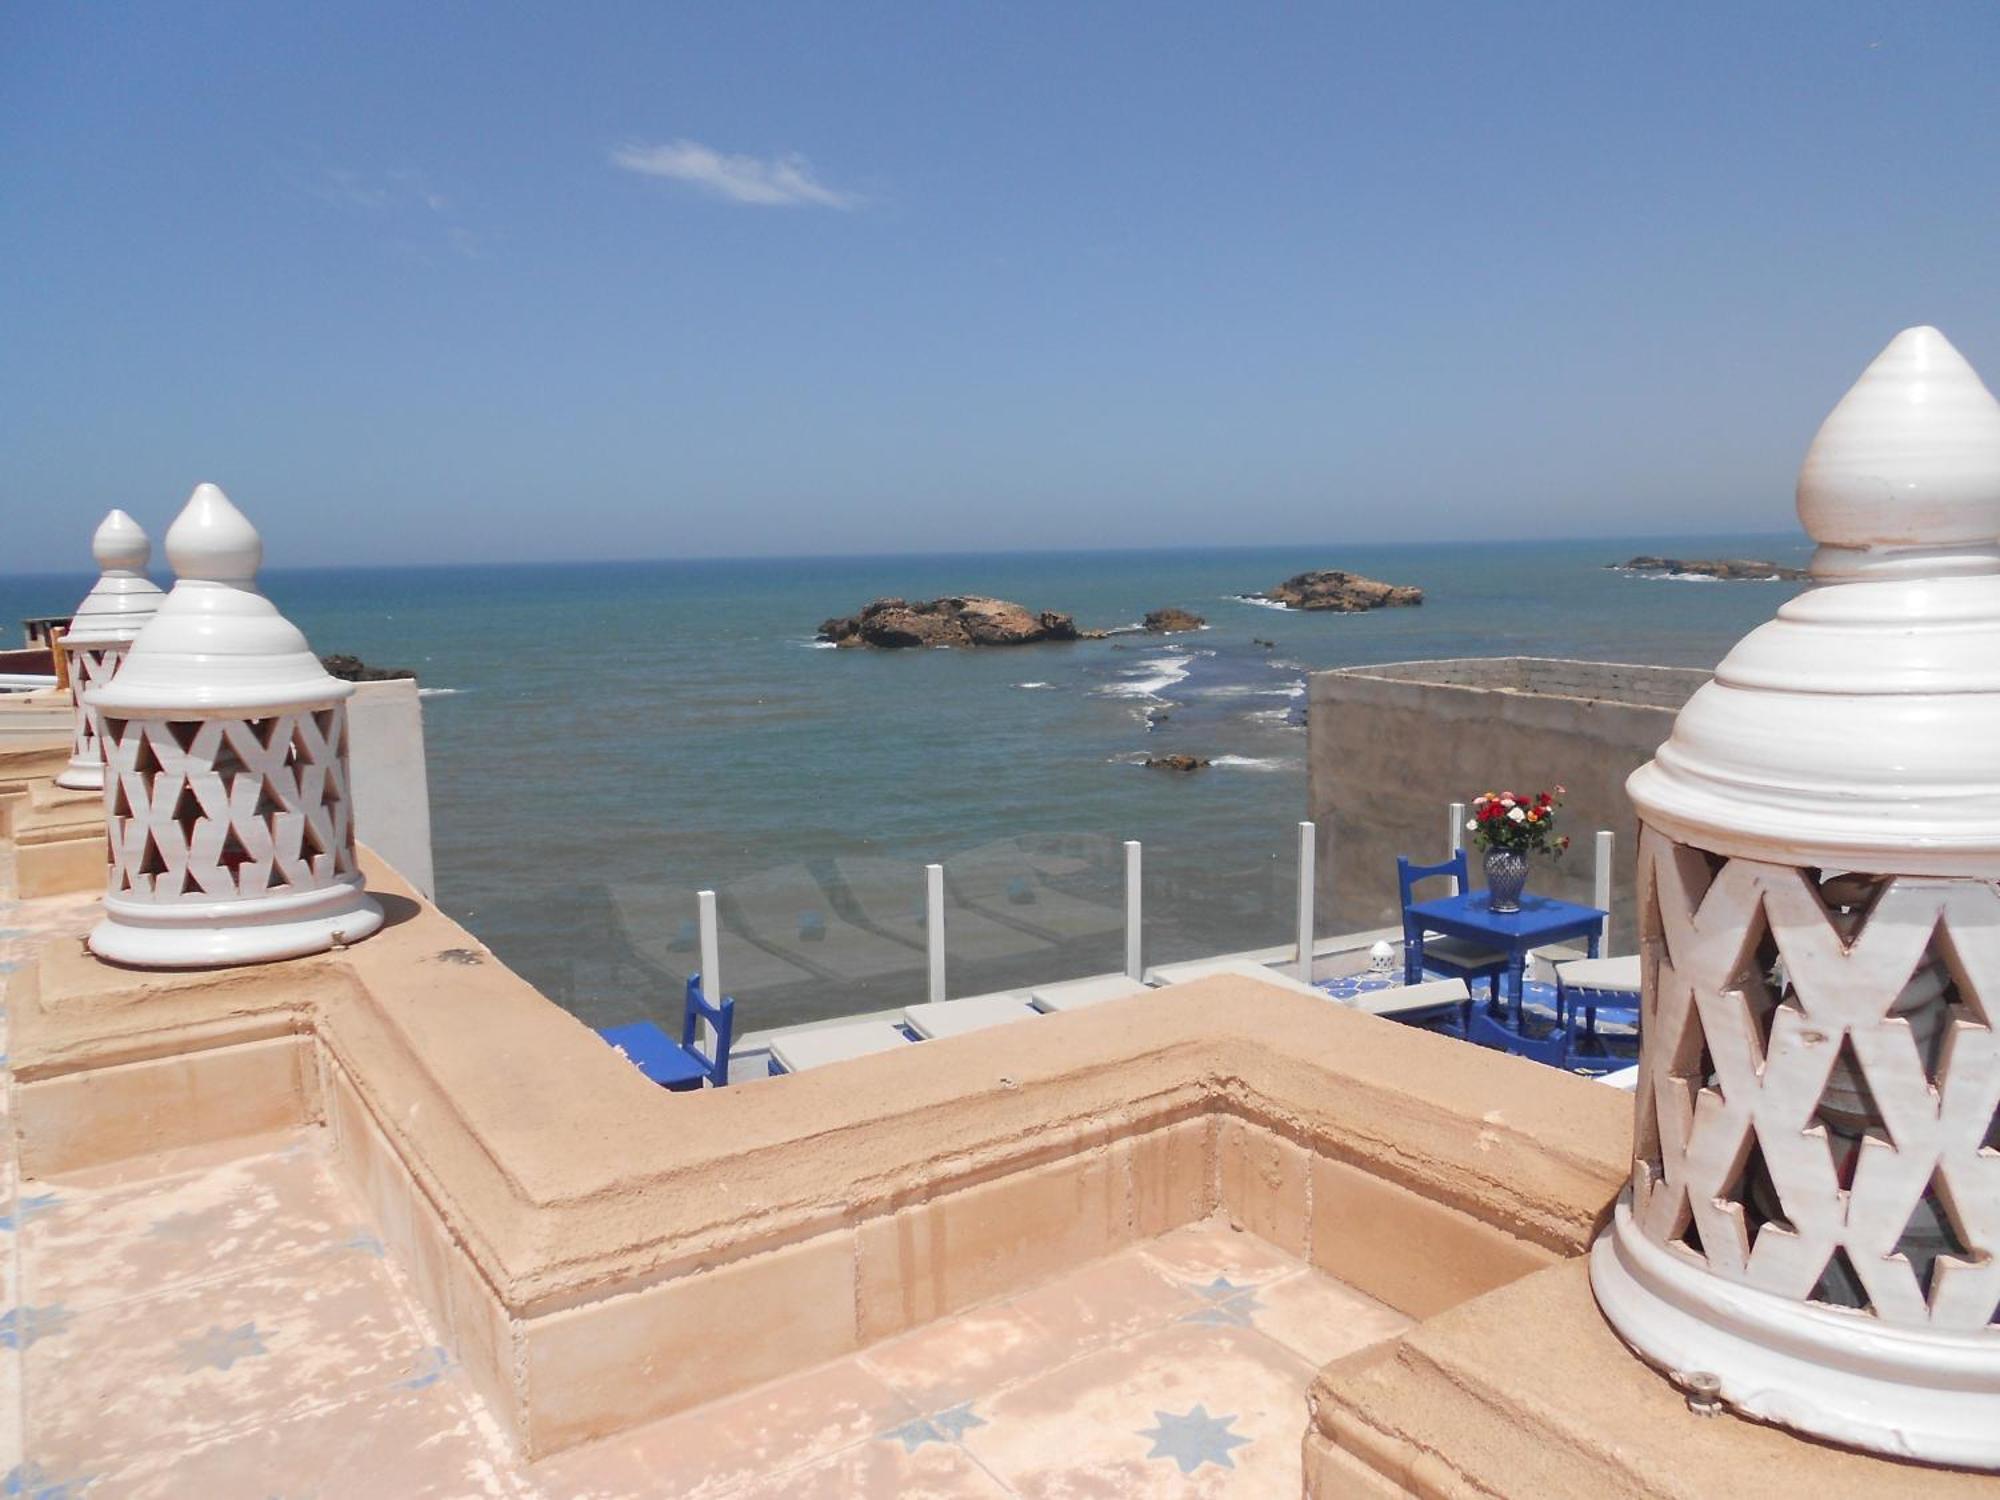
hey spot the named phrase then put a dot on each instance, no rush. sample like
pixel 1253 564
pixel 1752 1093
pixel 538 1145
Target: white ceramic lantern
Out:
pixel 226 794
pixel 111 614
pixel 1813 1221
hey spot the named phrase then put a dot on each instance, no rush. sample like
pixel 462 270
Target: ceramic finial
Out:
pixel 1903 478
pixel 120 544
pixel 211 539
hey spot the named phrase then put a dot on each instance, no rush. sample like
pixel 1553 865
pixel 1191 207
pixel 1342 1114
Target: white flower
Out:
pixel 1472 825
pixel 1515 815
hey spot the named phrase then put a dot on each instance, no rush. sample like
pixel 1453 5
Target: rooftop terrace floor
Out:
pixel 224 1322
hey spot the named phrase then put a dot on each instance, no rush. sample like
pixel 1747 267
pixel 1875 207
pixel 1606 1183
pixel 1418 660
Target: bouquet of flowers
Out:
pixel 1517 822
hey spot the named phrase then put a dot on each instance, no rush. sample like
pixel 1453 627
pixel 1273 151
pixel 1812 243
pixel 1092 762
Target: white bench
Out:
pixel 941 1018
pixel 1203 968
pixel 1076 994
pixel 1404 999
pixel 796 1051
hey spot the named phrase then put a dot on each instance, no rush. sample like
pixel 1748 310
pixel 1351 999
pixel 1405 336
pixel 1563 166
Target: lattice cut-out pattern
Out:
pixel 1819 1097
pixel 90 667
pixel 207 809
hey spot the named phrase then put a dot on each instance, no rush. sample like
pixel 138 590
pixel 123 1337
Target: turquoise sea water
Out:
pixel 606 739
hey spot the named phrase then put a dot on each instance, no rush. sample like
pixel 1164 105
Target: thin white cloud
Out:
pixel 777 181
pixel 401 197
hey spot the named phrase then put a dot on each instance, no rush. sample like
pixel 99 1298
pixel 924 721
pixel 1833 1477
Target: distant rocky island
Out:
pixel 1747 569
pixel 354 669
pixel 1172 620
pixel 1341 592
pixel 954 620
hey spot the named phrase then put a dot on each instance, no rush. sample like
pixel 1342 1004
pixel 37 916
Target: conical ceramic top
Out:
pixel 217 645
pixel 123 598
pixel 1857 730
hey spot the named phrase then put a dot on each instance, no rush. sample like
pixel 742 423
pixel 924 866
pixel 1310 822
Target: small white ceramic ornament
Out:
pixel 227 796
pixel 111 614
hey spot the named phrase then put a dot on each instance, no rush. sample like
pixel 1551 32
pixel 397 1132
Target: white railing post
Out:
pixel 1455 832
pixel 934 926
pixel 1135 967
pixel 711 966
pixel 1600 876
pixel 1306 834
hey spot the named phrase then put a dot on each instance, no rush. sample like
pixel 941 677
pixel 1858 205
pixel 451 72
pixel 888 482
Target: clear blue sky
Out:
pixel 448 281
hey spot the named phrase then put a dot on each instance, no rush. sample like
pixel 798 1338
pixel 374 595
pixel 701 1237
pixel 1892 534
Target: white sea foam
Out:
pixel 1148 678
pixel 1034 684
pixel 424 692
pixel 1280 717
pixel 1252 599
pixel 817 645
pixel 1257 762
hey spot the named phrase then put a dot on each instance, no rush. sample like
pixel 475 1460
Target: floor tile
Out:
pixel 702 1453
pixel 82 1246
pixel 958 1358
pixel 1201 1252
pixel 420 1444
pixel 1105 1302
pixel 184 1366
pixel 1192 1410
pixel 1321 1320
pixel 879 1470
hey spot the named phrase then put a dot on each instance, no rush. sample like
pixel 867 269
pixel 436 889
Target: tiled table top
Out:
pixel 225 1323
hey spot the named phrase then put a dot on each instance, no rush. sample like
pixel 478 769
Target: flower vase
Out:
pixel 1506 874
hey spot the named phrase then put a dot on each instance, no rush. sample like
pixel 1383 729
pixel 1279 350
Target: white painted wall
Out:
pixel 392 794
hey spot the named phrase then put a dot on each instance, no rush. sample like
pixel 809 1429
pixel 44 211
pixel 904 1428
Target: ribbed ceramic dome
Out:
pixel 123 598
pixel 1858 728
pixel 216 643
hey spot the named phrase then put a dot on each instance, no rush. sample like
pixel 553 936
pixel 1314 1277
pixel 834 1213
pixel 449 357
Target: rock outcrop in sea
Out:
pixel 1730 568
pixel 1172 620
pixel 354 669
pixel 954 620
pixel 1342 592
pixel 1175 762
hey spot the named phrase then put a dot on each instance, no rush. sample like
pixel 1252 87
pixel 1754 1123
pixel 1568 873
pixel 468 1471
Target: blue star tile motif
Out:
pixel 1193 1439
pixel 220 1348
pixel 28 1207
pixel 955 1423
pixel 914 1434
pixel 432 1365
pixel 940 1427
pixel 1229 1305
pixel 366 1242
pixel 22 1326
pixel 30 1481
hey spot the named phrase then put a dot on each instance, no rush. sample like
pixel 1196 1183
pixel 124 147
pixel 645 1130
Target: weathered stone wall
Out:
pixel 1391 746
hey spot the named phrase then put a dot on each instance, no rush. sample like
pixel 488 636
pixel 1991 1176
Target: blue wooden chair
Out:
pixel 681 1065
pixel 1456 958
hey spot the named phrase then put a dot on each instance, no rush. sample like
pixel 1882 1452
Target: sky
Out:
pixel 455 282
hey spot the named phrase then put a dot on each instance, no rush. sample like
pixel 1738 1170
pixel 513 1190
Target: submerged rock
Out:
pixel 1173 619
pixel 1342 592
pixel 1751 569
pixel 1176 762
pixel 354 669
pixel 954 620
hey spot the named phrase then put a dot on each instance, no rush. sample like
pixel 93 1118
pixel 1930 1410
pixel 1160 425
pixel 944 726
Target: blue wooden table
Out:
pixel 1540 921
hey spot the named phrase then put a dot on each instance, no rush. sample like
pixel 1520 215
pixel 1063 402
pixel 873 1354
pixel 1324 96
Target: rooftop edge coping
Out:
pixel 560 1194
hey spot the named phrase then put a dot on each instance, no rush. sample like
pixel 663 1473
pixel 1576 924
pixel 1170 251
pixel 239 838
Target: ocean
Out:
pixel 606 739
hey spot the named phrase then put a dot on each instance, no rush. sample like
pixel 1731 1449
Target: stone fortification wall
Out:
pixel 1391 746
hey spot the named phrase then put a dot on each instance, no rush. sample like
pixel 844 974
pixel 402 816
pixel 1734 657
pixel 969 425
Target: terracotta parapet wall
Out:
pixel 568 1223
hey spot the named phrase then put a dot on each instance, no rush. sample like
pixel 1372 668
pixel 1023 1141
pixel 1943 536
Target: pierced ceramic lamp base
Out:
pixel 211 934
pixel 1925 1394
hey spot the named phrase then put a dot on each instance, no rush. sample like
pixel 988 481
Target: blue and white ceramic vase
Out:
pixel 1506 874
